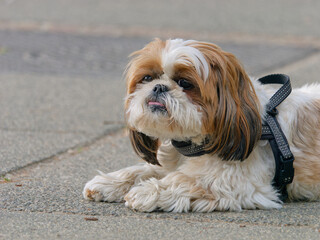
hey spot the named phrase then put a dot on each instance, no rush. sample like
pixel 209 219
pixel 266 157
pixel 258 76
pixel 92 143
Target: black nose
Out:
pixel 160 88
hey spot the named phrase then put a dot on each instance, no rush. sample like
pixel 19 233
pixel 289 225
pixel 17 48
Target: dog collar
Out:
pixel 190 149
pixel 271 131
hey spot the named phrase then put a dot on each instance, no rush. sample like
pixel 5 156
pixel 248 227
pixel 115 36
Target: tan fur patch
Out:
pixel 90 194
pixel 146 61
pixel 307 139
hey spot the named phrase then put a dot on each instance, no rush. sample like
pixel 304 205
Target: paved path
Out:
pixel 61 109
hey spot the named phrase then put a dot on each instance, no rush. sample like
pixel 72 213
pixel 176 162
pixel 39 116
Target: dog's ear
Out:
pixel 145 146
pixel 232 119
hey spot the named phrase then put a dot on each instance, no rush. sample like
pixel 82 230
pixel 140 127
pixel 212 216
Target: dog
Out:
pixel 186 90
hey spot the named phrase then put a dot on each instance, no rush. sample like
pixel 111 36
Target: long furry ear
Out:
pixel 144 146
pixel 232 119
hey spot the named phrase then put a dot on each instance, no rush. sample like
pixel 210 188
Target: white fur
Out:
pixel 180 109
pixel 180 51
pixel 206 183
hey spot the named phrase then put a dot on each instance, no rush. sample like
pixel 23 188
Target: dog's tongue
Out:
pixel 156 103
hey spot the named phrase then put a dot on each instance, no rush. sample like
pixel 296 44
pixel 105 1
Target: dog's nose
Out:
pixel 160 88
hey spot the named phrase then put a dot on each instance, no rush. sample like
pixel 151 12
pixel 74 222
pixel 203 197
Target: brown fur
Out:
pixel 230 104
pixel 144 146
pixel 146 61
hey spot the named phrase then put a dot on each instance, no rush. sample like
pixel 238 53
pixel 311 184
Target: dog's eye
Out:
pixel 185 84
pixel 147 78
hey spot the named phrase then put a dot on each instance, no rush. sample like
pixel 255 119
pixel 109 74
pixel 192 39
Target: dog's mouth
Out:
pixel 156 106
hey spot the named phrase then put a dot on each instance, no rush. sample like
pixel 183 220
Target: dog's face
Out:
pixel 190 90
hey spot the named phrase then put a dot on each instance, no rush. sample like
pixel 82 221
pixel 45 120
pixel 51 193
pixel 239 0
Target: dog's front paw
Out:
pixel 144 197
pixel 92 194
pixel 155 194
pixel 106 188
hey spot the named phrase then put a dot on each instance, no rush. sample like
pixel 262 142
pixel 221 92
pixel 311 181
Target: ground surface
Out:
pixel 61 109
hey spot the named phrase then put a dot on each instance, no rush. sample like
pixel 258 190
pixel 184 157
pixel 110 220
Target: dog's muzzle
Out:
pixel 156 101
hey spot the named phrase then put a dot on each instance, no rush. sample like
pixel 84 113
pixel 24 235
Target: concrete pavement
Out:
pixel 61 105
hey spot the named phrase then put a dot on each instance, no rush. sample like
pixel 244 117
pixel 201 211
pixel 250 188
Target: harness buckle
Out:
pixel 286 171
pixel 272 112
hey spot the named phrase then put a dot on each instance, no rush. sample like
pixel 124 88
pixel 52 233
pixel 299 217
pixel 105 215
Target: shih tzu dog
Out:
pixel 191 91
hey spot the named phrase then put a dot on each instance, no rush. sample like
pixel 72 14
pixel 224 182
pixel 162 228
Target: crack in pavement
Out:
pixel 85 144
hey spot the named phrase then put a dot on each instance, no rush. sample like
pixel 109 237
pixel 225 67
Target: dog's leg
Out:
pixel 113 186
pixel 182 192
pixel 175 193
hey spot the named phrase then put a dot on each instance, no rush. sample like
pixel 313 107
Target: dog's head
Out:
pixel 190 90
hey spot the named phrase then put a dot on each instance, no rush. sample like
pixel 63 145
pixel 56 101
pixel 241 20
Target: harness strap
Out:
pixel 272 132
pixel 282 93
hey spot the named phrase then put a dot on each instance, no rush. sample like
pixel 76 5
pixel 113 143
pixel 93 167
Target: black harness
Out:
pixel 271 131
